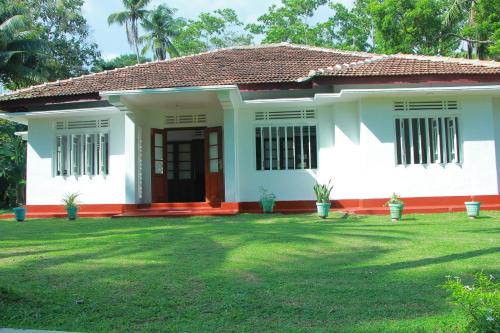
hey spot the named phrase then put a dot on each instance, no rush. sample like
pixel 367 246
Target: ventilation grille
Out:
pixel 426 106
pixel 281 115
pixel 81 124
pixel 186 119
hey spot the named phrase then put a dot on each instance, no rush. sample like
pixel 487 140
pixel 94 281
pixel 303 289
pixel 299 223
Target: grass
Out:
pixel 249 273
pixel 5 211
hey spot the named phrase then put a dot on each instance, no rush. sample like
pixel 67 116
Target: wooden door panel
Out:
pixel 158 165
pixel 214 170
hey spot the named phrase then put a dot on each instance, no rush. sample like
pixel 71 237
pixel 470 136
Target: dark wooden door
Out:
pixel 185 171
pixel 214 170
pixel 158 165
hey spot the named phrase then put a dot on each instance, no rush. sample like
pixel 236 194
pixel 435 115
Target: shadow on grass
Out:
pixel 247 273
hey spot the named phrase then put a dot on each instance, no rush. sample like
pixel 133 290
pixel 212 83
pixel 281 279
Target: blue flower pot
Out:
pixel 323 209
pixel 20 213
pixel 473 208
pixel 396 211
pixel 72 213
pixel 267 205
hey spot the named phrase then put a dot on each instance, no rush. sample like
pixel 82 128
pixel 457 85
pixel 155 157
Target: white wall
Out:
pixel 43 188
pixel 357 151
pixel 496 116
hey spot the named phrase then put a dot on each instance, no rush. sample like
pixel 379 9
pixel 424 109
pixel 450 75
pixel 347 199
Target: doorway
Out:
pixel 187 165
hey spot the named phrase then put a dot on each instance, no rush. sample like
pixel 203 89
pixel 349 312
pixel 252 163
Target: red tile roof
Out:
pixel 279 63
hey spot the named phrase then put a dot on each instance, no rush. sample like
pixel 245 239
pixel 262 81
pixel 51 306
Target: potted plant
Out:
pixel 323 203
pixel 267 200
pixel 473 208
pixel 396 206
pixel 71 204
pixel 20 213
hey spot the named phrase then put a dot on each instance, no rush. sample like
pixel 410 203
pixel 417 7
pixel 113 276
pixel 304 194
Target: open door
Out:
pixel 158 165
pixel 214 172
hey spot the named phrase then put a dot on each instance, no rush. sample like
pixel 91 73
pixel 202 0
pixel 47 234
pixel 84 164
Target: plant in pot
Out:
pixel 20 213
pixel 472 207
pixel 71 204
pixel 396 206
pixel 267 200
pixel 323 203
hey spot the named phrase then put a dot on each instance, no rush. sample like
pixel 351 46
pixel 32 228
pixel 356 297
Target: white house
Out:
pixel 201 134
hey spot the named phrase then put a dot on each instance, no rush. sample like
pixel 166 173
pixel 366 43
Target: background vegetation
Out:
pixel 46 40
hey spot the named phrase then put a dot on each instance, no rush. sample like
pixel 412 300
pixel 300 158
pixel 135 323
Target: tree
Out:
pixel 480 26
pixel 60 24
pixel 19 46
pixel 288 23
pixel 218 29
pixel 134 12
pixel 412 26
pixel 117 62
pixel 161 27
pixel 352 29
pixel 12 163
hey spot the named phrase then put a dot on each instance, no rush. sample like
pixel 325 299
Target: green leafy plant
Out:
pixel 323 191
pixel 480 301
pixel 265 194
pixel 70 200
pixel 394 200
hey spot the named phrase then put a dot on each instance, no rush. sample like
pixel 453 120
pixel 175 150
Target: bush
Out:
pixel 480 301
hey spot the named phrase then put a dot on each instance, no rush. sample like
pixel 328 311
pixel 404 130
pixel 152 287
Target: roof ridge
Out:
pixel 477 62
pixel 338 67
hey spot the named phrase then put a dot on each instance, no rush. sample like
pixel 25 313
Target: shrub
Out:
pixel 394 199
pixel 480 301
pixel 322 192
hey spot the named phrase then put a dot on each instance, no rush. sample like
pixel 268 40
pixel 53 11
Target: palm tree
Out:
pixel 161 27
pixel 134 11
pixel 18 47
pixel 466 10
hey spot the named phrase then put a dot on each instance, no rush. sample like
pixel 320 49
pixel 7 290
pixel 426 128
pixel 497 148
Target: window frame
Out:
pixel 83 134
pixel 277 124
pixel 440 117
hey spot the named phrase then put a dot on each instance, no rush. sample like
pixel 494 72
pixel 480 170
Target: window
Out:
pixel 286 147
pixel 82 154
pixel 423 140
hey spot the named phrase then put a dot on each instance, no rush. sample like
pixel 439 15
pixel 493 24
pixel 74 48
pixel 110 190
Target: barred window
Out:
pixel 82 154
pixel 425 140
pixel 285 147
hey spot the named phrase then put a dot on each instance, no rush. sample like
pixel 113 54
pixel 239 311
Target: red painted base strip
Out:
pixel 357 206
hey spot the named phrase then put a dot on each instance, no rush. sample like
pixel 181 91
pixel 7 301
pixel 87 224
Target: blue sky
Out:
pixel 112 40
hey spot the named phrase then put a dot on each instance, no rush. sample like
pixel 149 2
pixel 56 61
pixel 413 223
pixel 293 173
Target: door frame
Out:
pixel 164 178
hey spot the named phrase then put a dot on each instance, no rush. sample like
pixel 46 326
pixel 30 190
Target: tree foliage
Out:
pixel 290 23
pixel 19 47
pixel 60 24
pixel 161 27
pixel 220 28
pixel 12 164
pixel 117 62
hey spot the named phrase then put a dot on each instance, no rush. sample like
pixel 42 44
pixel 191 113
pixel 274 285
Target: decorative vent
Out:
pixel 186 119
pixel 426 106
pixel 198 134
pixel 282 115
pixel 81 124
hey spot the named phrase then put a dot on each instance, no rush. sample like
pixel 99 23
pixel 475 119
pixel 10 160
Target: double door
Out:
pixel 187 171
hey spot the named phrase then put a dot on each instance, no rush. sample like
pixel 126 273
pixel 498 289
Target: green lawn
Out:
pixel 249 273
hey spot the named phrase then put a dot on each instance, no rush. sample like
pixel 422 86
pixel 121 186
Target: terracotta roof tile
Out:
pixel 279 63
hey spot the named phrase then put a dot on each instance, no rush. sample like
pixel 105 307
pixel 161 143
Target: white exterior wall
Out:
pixel 356 149
pixel 496 117
pixel 43 188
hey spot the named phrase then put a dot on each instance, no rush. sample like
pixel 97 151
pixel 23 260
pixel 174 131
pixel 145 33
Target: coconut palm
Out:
pixel 18 47
pixel 134 12
pixel 465 10
pixel 161 27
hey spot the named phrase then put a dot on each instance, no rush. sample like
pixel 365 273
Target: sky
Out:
pixel 112 40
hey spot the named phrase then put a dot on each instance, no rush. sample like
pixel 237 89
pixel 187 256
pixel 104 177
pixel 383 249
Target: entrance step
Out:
pixel 178 209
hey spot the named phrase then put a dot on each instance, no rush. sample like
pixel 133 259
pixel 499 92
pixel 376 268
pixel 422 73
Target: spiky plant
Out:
pixel 323 191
